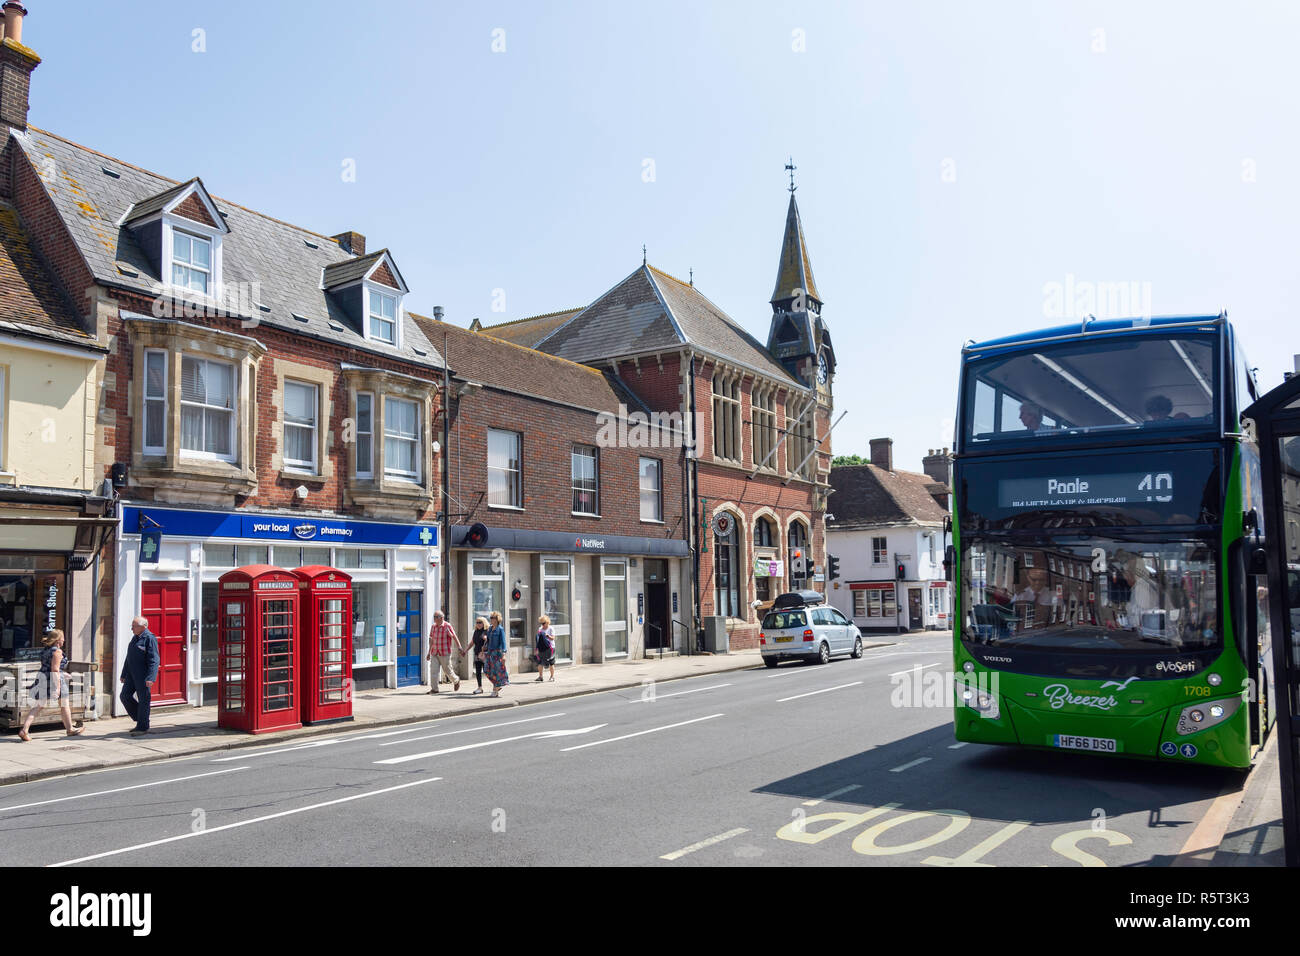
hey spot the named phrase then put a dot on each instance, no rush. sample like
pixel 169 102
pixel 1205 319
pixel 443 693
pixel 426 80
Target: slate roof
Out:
pixel 92 193
pixel 653 311
pixel 794 271
pixel 865 496
pixel 350 270
pixel 530 331
pixel 482 358
pixel 31 301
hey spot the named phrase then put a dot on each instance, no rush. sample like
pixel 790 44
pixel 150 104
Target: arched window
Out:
pixel 797 539
pixel 765 536
pixel 727 570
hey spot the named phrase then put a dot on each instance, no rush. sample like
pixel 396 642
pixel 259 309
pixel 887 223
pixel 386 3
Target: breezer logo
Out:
pixel 102 909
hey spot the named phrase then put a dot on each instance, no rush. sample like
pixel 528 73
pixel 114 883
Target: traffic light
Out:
pixel 902 572
pixel 798 566
pixel 832 567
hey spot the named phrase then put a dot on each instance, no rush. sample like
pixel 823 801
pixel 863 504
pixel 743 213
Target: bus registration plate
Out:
pixel 1098 744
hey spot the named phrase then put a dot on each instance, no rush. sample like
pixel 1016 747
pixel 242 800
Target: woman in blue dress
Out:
pixel 495 665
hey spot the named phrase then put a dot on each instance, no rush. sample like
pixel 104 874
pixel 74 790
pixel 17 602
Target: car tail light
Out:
pixel 762 638
pixel 808 634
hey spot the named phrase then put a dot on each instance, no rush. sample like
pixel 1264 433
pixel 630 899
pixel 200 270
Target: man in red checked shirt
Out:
pixel 443 643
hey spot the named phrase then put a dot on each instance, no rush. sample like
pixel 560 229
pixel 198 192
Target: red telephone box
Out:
pixel 257 649
pixel 325 650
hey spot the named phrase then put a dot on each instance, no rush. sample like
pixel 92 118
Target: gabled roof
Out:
pixel 794 271
pixel 653 311
pixel 865 496
pixel 362 267
pixel 170 199
pixel 481 358
pixel 31 302
pixel 528 332
pixel 92 192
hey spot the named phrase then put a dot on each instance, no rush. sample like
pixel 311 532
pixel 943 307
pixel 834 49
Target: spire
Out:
pixel 795 268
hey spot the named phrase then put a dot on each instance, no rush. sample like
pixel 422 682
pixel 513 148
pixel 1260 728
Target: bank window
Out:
pixel 503 469
pixel 365 434
pixel 486 589
pixel 155 402
pixel 207 409
pixel 879 550
pixel 300 404
pixel 859 603
pixel 614 578
pixel 585 473
pixel 401 439
pixel 557 605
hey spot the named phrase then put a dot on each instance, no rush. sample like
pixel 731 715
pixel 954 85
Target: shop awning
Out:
pixel 78 534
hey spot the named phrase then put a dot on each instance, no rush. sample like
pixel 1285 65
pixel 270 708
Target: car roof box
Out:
pixel 797 599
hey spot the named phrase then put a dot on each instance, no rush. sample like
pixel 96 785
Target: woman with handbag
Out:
pixel 480 642
pixel 545 642
pixel 51 685
pixel 495 654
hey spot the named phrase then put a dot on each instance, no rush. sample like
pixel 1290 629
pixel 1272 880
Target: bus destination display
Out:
pixel 1073 491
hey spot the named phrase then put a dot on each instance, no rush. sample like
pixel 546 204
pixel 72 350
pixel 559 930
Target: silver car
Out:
pixel 801 624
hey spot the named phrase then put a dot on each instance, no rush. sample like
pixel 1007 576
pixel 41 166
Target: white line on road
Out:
pixel 468 730
pixel 489 743
pixel 918 667
pixel 596 743
pixel 908 766
pixel 833 794
pixel 957 746
pixel 102 793
pixel 695 690
pixel 244 823
pixel 824 690
pixel 283 750
pixel 678 854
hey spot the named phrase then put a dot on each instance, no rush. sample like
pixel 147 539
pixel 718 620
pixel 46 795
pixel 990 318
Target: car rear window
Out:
pixel 779 620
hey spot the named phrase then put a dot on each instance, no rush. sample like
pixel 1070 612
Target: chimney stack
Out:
pixel 938 465
pixel 882 453
pixel 352 242
pixel 16 65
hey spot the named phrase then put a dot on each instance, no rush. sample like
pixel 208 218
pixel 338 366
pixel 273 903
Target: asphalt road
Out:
pixel 805 765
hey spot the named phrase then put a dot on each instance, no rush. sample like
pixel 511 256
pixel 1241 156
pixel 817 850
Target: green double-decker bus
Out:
pixel 1106 507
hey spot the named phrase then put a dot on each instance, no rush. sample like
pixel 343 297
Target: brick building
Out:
pixel 759 457
pixel 262 397
pixel 549 513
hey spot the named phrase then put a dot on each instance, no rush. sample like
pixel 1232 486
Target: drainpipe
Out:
pixel 695 525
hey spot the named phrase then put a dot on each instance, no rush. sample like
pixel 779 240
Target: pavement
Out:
pixel 182 731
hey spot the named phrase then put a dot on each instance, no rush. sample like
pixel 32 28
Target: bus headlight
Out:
pixel 1194 719
pixel 1214 680
pixel 968 666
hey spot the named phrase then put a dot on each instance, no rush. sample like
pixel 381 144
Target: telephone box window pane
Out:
pixel 277 656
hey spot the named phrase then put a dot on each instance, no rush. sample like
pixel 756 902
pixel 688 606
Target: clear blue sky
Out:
pixel 1151 142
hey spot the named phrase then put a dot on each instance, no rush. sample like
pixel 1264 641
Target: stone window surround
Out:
pixel 178 339
pixel 377 489
pixel 323 379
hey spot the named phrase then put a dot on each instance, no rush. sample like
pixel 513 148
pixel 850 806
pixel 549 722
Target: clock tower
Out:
pixel 798 337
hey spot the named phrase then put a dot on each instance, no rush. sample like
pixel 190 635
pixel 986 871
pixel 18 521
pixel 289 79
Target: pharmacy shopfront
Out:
pixel 169 562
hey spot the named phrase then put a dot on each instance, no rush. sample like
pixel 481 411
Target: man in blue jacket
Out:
pixel 139 672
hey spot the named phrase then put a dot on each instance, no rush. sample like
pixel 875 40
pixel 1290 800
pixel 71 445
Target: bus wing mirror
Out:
pixel 947 562
pixel 1256 561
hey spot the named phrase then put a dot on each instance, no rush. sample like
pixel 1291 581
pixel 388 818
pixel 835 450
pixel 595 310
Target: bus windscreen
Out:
pixel 1145 384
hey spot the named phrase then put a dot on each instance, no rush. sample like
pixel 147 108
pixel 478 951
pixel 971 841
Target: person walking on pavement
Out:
pixel 442 639
pixel 51 685
pixel 139 672
pixel 480 642
pixel 545 647
pixel 495 664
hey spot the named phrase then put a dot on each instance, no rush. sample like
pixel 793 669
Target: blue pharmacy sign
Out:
pixel 150 545
pixel 219 524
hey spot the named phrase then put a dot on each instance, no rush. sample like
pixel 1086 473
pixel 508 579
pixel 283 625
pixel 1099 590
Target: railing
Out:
pixel 660 639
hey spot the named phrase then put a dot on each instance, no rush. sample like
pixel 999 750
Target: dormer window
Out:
pixel 383 317
pixel 191 262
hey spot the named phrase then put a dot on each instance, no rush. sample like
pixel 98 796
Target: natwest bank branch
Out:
pixel 170 562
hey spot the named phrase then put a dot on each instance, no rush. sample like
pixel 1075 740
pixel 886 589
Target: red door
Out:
pixel 163 603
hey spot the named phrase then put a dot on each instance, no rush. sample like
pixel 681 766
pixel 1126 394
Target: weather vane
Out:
pixel 792 167
pixel 643 253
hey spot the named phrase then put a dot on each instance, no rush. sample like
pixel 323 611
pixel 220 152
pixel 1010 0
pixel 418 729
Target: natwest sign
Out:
pixel 589 544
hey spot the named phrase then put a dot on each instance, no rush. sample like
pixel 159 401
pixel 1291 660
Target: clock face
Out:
pixel 821 369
